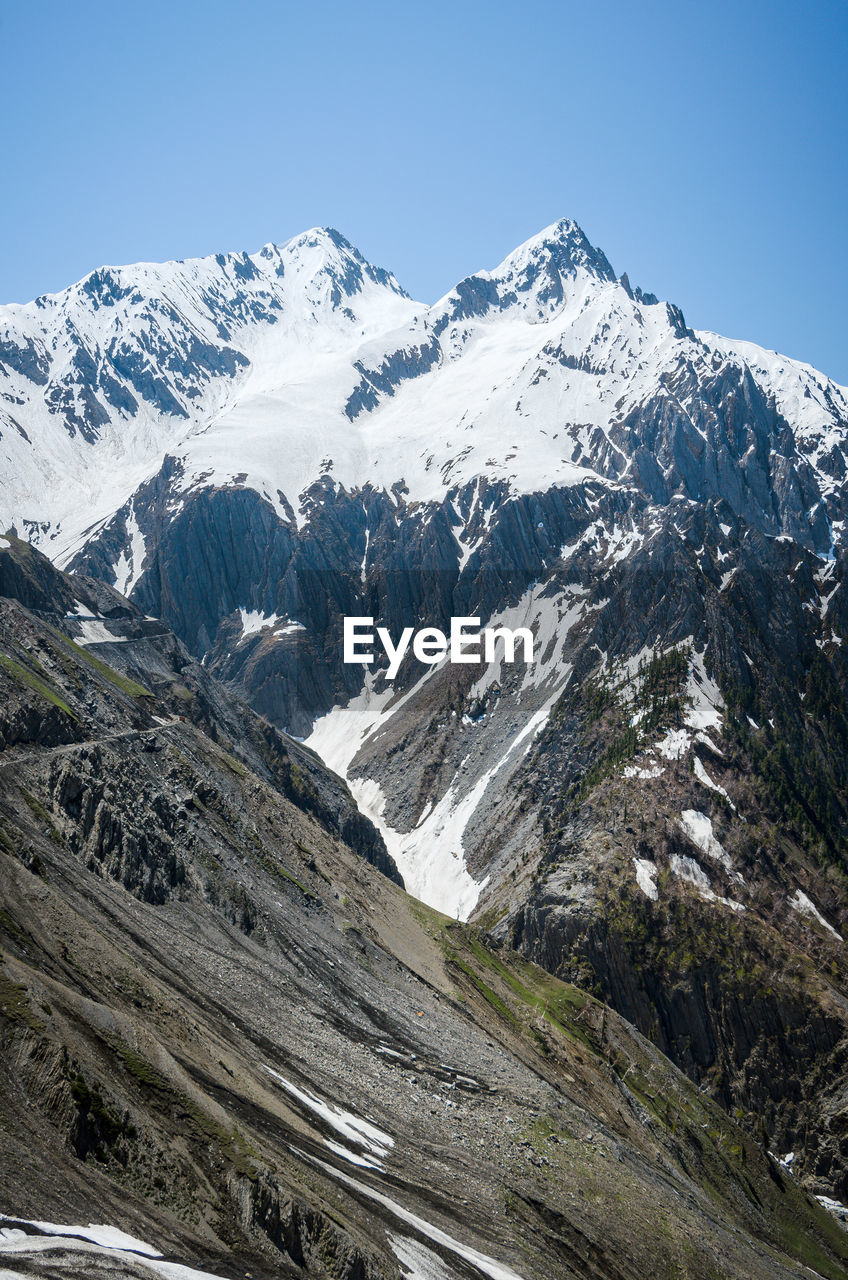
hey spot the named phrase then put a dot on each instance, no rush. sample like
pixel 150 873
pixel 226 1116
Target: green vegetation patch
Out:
pixel 130 687
pixel 537 992
pixel 273 868
pixel 15 1005
pixel 23 676
pixel 229 1141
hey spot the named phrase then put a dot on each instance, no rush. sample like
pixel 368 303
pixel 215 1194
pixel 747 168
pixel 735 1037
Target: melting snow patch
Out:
pixel 4 542
pixel 128 567
pixel 645 873
pixel 361 1132
pixel 352 1157
pixel 431 857
pixel 675 744
pixel 699 829
pixel 103 1244
pixel 386 1052
pixel 688 869
pixel 836 1207
pixel 706 700
pixel 252 621
pixel 489 1266
pixel 804 905
pixel 635 771
pixel 94 632
pixel 418 1262
pixel 703 777
pixel 95 1233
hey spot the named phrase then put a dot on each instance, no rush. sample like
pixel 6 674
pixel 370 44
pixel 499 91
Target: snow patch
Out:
pixel 252 621
pixel 489 1266
pixel 704 778
pixel 691 871
pixel 707 704
pixel 836 1207
pixel 431 857
pixel 645 874
pixel 637 771
pixel 675 744
pixel 95 1233
pixel 96 632
pixel 699 828
pixel 418 1262
pixel 128 568
pixel 806 907
pixel 352 1127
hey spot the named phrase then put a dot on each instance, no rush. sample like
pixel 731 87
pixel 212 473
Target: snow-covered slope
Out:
pixel 269 370
pixel 100 381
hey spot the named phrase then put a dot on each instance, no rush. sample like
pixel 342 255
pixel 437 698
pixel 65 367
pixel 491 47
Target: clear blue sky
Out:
pixel 701 145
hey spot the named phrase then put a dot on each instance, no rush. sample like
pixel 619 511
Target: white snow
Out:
pixel 806 907
pixel 96 1233
pixel 638 771
pixel 699 828
pixel 353 1157
pixel 675 744
pixel 704 778
pixel 252 621
pixel 645 875
pixel 501 398
pixel 352 1127
pixel 431 857
pixel 489 1266
pixel 691 871
pixel 417 1261
pixel 836 1207
pixel 707 703
pixel 129 566
pixel 96 632
pixel 99 1241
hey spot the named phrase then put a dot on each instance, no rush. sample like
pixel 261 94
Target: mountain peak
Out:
pixel 324 251
pixel 563 245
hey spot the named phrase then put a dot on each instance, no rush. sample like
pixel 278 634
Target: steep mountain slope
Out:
pixel 228 1037
pixel 656 807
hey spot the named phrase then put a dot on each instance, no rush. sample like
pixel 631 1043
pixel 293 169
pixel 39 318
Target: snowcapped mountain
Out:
pixel 99 381
pixel 254 447
pixel 273 369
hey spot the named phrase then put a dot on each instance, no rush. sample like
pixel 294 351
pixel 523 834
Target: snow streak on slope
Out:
pixel 106 1247
pixel 432 856
pixel 488 1266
